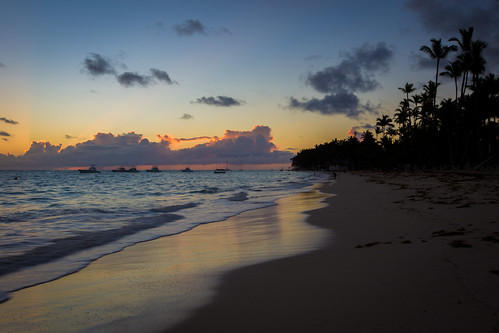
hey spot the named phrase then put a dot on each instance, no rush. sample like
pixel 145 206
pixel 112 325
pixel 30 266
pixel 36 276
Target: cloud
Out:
pixel 357 131
pixel 420 61
pixel 97 65
pixel 161 75
pixel 129 79
pixel 356 72
pixel 187 116
pixel 341 83
pixel 219 101
pixel 447 17
pixel 3 133
pixel 9 121
pixel 2 65
pixel 341 103
pixel 189 28
pixel 106 149
pixel 222 31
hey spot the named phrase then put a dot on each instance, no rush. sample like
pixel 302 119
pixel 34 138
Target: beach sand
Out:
pixel 392 252
pixel 411 252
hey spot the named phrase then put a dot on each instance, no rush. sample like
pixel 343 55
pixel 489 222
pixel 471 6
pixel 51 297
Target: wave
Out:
pixel 241 196
pixel 174 208
pixel 62 247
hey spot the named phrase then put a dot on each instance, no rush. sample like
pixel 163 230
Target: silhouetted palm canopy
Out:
pixel 437 51
pixel 460 133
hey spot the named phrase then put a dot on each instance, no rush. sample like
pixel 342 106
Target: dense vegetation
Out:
pixel 459 132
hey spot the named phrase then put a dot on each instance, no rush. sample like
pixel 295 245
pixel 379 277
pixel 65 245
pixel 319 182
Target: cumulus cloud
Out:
pixel 161 75
pixel 445 18
pixel 97 65
pixel 341 103
pixel 106 149
pixel 355 74
pixel 189 28
pixel 187 116
pixel 129 79
pixel 8 121
pixel 219 101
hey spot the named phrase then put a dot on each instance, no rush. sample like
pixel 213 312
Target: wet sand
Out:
pixel 411 252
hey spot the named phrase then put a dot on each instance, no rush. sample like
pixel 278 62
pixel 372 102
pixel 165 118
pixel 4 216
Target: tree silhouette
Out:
pixel 437 51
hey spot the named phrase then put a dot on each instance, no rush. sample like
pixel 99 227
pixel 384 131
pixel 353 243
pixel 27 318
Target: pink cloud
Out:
pixel 106 149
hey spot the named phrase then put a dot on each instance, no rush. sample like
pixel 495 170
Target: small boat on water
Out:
pixel 125 170
pixel 92 169
pixel 186 170
pixel 154 169
pixel 221 170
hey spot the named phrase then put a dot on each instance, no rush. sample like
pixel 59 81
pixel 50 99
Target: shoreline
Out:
pixel 152 285
pixel 412 252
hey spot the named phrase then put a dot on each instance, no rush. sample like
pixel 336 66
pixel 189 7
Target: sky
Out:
pixel 204 83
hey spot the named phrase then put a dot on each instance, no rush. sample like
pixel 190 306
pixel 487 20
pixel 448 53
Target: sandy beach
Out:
pixel 410 253
pixel 391 252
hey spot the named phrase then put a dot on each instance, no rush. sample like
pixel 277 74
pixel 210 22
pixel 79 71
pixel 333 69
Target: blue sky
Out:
pixel 261 55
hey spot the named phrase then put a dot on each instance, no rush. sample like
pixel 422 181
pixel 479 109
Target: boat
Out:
pixel 154 169
pixel 221 170
pixel 186 170
pixel 92 169
pixel 125 170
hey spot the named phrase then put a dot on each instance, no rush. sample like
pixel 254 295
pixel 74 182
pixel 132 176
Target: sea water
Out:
pixel 53 223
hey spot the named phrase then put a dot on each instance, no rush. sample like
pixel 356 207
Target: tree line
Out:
pixel 458 132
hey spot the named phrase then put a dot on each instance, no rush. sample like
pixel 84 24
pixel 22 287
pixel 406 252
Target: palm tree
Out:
pixel 437 51
pixel 407 89
pixel 477 66
pixel 465 56
pixel 453 70
pixel 384 122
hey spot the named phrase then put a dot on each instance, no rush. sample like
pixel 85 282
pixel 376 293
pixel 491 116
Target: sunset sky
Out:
pixel 204 82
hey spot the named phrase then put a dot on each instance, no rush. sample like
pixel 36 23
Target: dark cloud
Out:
pixel 129 79
pixel 445 18
pixel 340 83
pixel 342 103
pixel 161 75
pixel 219 101
pixel 187 116
pixel 3 133
pixel 356 72
pixel 189 28
pixel 106 149
pixel 420 61
pixel 9 121
pixel 97 65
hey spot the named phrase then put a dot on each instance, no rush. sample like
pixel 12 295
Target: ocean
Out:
pixel 53 223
